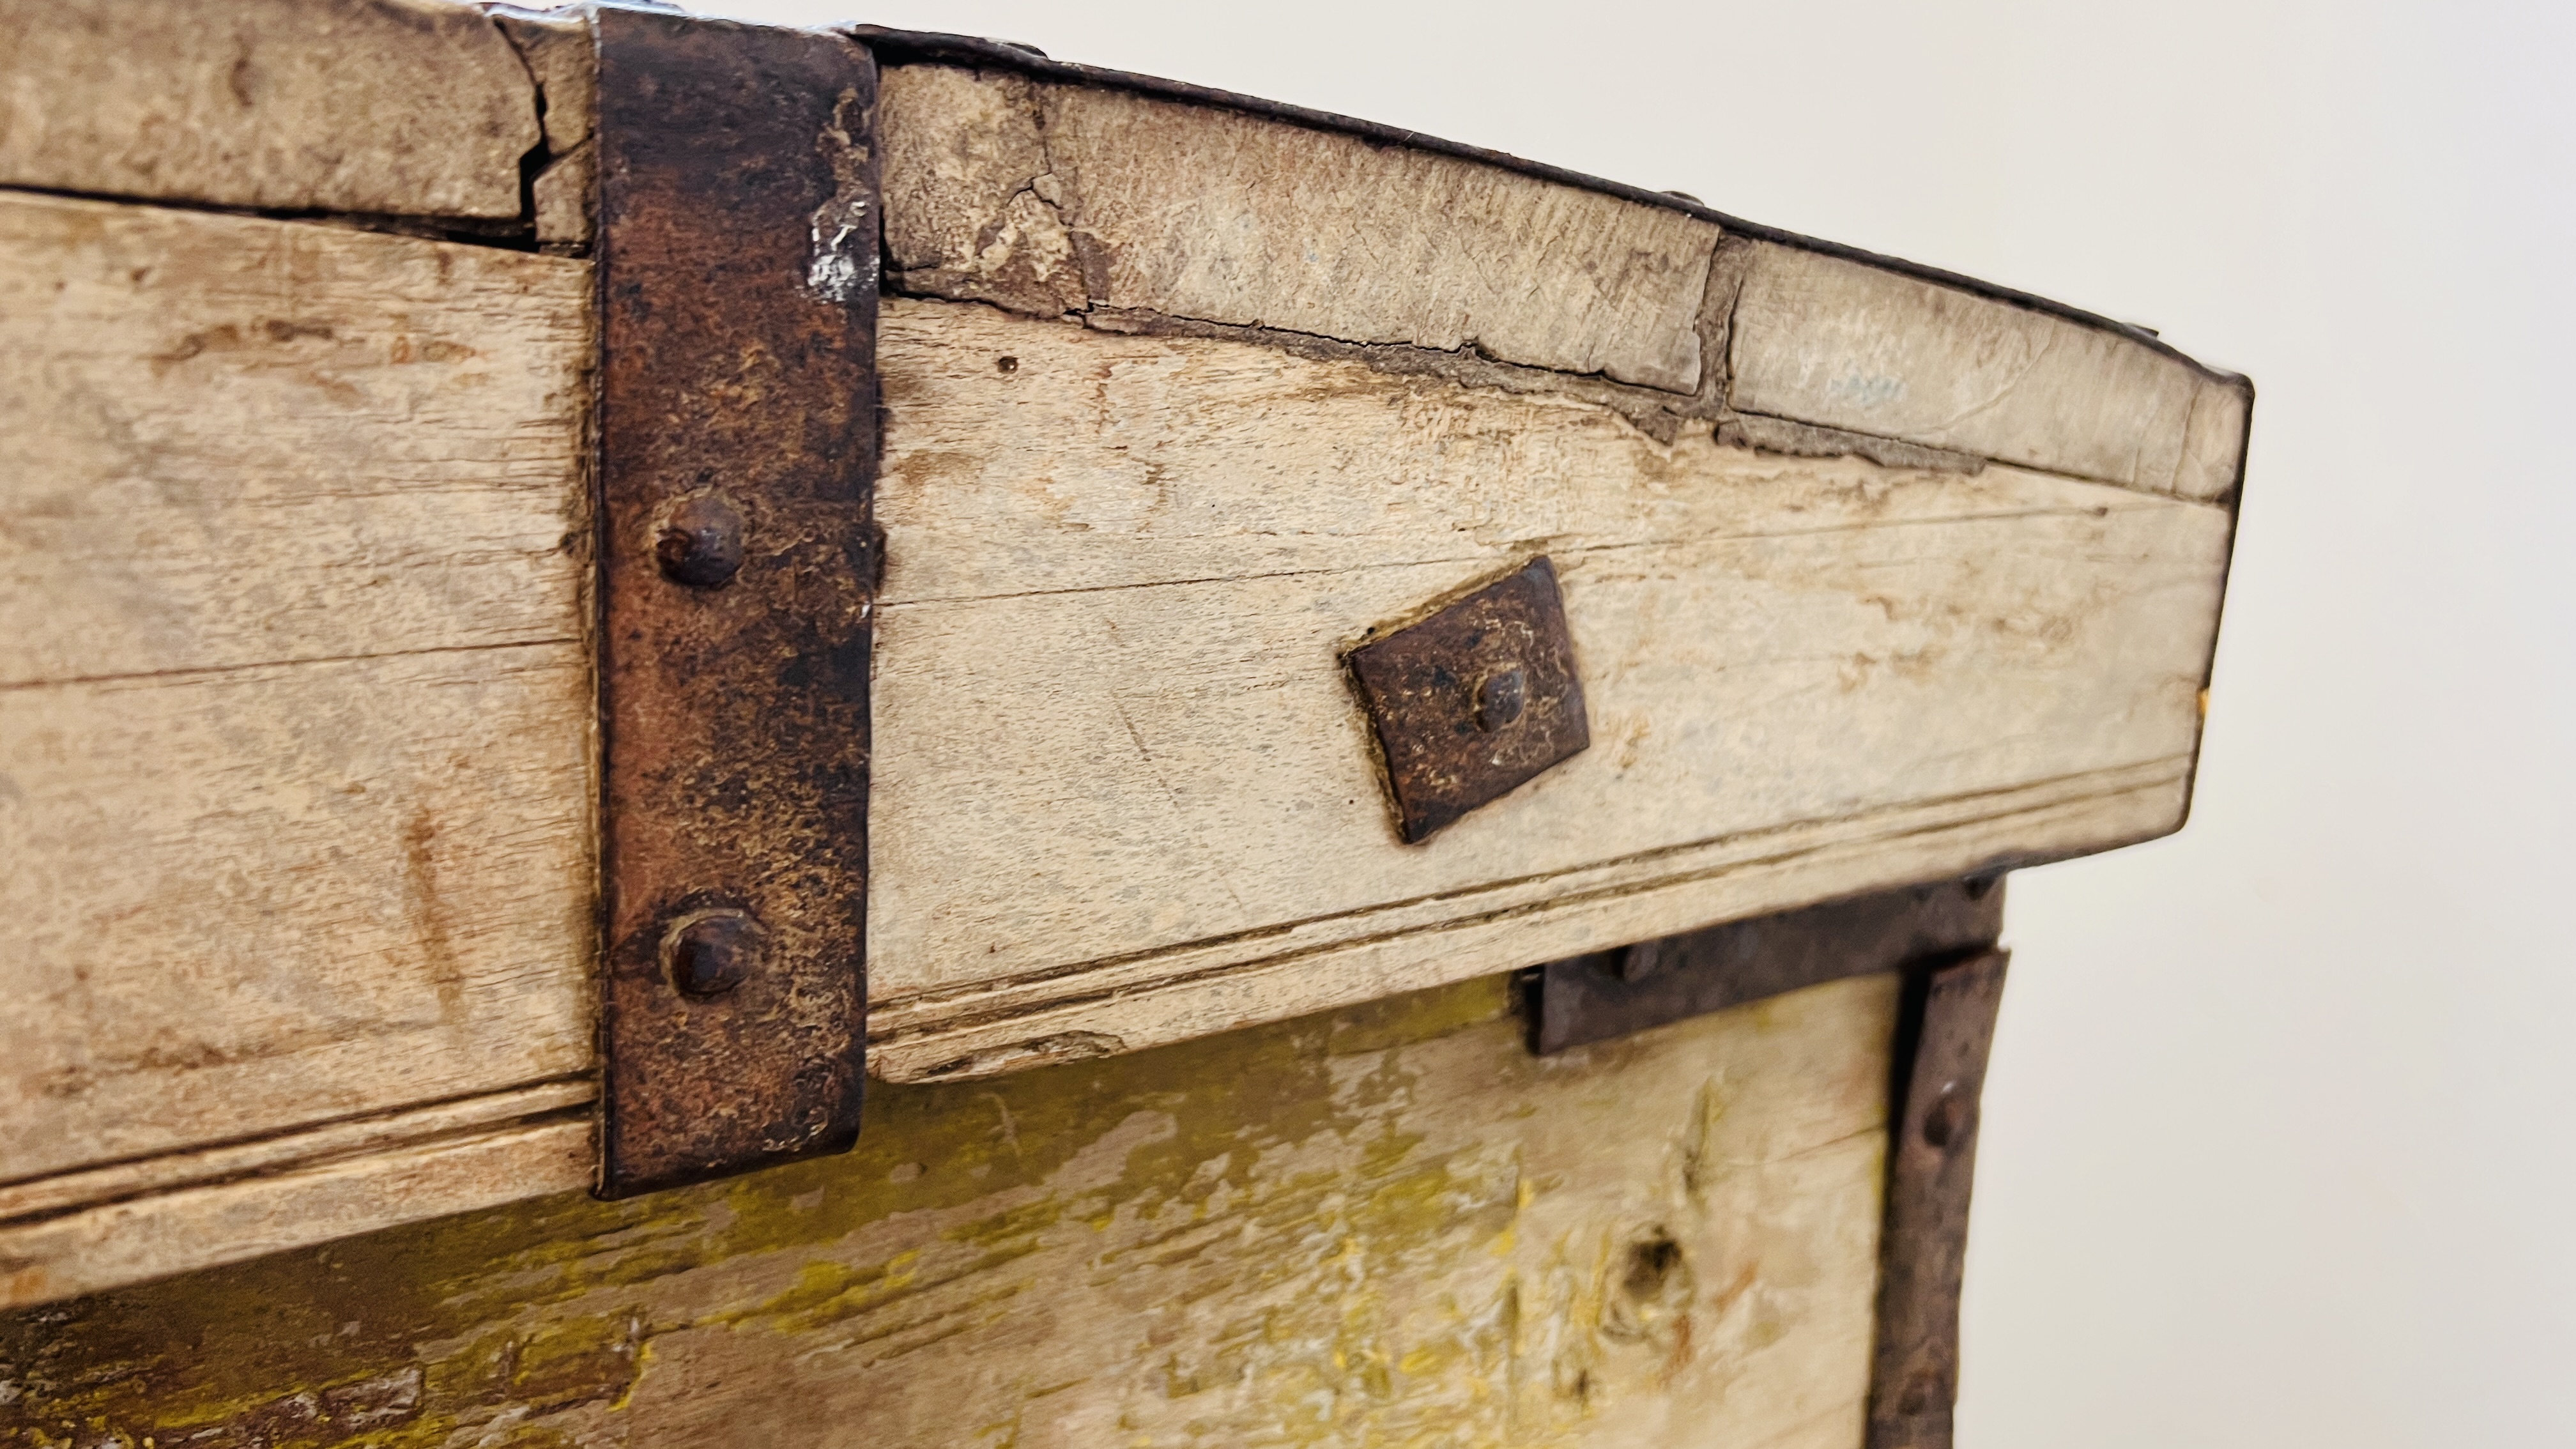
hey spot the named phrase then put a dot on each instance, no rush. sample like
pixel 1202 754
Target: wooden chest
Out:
pixel 1406 754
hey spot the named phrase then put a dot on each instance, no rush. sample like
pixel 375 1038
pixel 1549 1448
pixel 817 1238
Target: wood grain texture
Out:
pixel 116 1243
pixel 401 1129
pixel 1123 792
pixel 964 217
pixel 394 107
pixel 294 759
pixel 1391 1226
pixel 227 441
pixel 1839 344
pixel 249 899
pixel 1054 198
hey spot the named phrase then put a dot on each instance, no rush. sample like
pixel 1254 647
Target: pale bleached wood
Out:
pixel 118 1243
pixel 1056 198
pixel 249 899
pixel 963 214
pixel 229 441
pixel 1122 792
pixel 378 1132
pixel 1821 340
pixel 295 751
pixel 1222 984
pixel 400 107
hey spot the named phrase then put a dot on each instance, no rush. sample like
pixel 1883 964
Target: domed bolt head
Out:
pixel 709 953
pixel 1500 698
pixel 1950 1118
pixel 701 542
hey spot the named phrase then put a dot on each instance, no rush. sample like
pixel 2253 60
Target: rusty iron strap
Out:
pixel 1612 993
pixel 738 558
pixel 1947 1025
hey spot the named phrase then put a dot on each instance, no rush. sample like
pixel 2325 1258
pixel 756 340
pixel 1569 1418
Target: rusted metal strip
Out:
pixel 737 264
pixel 1613 993
pixel 1949 1023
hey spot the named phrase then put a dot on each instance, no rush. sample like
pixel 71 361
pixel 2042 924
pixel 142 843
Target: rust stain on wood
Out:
pixel 738 421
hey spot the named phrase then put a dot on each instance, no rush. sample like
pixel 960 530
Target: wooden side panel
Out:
pixel 1124 793
pixel 294 775
pixel 1836 343
pixel 254 898
pixel 1391 1226
pixel 1054 198
pixel 226 441
pixel 398 107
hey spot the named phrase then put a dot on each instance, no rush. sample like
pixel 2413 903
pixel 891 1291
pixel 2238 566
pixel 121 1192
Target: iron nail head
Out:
pixel 1500 698
pixel 700 541
pixel 1950 1118
pixel 708 953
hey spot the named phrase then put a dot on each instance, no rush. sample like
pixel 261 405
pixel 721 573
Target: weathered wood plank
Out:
pixel 249 899
pixel 395 107
pixel 294 761
pixel 1057 198
pixel 402 1181
pixel 296 751
pixel 1392 1226
pixel 563 59
pixel 1836 343
pixel 229 441
pixel 1117 753
pixel 964 217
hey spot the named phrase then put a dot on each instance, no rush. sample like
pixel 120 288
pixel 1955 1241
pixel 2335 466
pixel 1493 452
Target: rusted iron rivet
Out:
pixel 701 542
pixel 1500 698
pixel 1950 1118
pixel 708 953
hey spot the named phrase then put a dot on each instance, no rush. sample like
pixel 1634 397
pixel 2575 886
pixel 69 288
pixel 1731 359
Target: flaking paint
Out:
pixel 1384 1227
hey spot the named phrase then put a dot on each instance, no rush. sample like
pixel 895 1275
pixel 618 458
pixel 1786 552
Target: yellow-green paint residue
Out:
pixel 1327 1232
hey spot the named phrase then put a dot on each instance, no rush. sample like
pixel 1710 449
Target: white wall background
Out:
pixel 2278 1135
